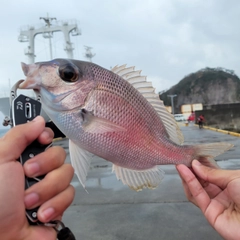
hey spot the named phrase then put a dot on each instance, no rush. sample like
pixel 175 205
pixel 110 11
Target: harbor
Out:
pixel 107 209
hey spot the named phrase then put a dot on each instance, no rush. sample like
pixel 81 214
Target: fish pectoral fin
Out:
pixel 93 124
pixel 139 179
pixel 81 160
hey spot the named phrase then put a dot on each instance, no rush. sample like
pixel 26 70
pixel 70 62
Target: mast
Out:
pixel 29 34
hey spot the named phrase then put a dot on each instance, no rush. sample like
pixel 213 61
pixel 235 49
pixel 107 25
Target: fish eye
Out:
pixel 68 73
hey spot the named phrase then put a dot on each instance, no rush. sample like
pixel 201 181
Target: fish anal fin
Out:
pixel 81 160
pixel 139 179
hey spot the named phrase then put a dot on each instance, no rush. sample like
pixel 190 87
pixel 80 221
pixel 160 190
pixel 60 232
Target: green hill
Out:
pixel 206 86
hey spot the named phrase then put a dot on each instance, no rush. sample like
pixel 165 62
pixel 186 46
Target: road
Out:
pixel 111 211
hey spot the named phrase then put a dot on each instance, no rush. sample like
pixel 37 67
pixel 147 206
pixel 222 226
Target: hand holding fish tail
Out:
pixel 216 193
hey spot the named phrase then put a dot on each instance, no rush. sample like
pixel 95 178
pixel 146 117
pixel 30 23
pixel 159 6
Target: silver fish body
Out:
pixel 122 121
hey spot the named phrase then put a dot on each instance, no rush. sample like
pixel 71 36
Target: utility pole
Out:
pixel 172 103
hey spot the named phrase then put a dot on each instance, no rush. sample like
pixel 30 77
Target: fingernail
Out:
pixel 31 199
pixel 37 119
pixel 46 135
pixel 32 168
pixel 48 213
pixel 196 163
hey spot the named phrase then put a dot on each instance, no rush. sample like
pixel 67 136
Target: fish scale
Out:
pixel 119 118
pixel 133 138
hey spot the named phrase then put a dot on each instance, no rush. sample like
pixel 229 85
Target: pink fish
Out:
pixel 115 115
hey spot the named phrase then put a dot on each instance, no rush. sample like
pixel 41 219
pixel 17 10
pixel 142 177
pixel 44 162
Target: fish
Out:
pixel 116 115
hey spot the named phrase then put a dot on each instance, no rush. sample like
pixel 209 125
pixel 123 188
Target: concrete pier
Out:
pixel 111 211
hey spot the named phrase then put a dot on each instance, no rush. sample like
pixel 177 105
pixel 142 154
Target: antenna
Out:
pixel 88 54
pixel 28 35
pixel 48 34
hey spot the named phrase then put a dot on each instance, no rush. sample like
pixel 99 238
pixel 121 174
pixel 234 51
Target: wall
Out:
pixel 223 116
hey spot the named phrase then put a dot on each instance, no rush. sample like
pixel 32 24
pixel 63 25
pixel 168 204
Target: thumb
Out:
pixel 13 143
pixel 218 176
pixel 43 231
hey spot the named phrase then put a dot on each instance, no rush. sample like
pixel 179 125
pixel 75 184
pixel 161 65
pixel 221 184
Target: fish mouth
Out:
pixel 25 68
pixel 32 79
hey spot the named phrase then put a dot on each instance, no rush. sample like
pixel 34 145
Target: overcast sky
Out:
pixel 167 39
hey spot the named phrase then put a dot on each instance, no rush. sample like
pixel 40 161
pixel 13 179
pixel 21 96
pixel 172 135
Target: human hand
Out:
pixel 216 193
pixel 53 194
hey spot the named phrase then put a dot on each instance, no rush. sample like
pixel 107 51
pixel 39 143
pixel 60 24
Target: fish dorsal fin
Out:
pixel 81 160
pixel 137 180
pixel 125 70
pixel 117 68
pixel 146 89
pixel 132 74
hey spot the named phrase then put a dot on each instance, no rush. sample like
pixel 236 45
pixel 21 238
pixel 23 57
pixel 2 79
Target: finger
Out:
pixel 55 207
pixel 218 177
pixel 211 189
pixel 39 230
pixel 185 186
pixel 13 143
pixel 46 136
pixel 53 183
pixel 199 195
pixel 188 193
pixel 45 162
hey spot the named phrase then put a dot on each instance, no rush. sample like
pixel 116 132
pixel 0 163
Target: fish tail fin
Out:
pixel 205 153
